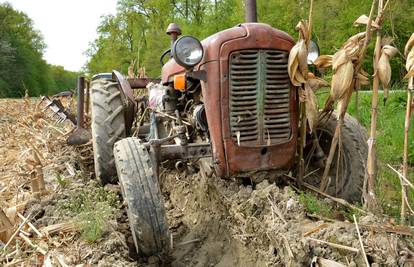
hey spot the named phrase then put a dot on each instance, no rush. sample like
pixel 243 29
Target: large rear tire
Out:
pixel 142 194
pixel 108 126
pixel 348 183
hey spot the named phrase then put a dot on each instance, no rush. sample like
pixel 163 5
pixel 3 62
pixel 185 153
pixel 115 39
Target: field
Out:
pixel 213 222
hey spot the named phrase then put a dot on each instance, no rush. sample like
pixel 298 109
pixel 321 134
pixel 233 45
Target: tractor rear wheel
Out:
pixel 108 126
pixel 142 194
pixel 347 173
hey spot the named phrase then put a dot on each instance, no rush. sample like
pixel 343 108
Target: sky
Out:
pixel 66 25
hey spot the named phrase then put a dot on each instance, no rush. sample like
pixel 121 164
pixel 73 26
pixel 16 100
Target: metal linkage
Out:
pixel 58 111
pixel 80 135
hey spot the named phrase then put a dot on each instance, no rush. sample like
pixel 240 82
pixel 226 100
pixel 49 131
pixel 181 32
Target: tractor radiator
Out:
pixel 259 97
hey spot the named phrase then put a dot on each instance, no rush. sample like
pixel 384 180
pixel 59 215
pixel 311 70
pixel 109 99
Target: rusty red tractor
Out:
pixel 225 107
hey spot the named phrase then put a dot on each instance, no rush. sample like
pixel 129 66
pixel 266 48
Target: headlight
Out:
pixel 187 51
pixel 313 52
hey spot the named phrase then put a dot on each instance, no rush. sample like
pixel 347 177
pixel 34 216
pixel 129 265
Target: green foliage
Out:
pixel 63 79
pixel 91 209
pixel 93 221
pixel 21 65
pixel 314 205
pixel 63 182
pixel 390 143
pixel 137 31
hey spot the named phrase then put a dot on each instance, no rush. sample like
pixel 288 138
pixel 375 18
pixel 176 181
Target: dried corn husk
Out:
pixel 303 57
pixel 384 68
pixel 389 50
pixel 339 58
pixel 311 107
pixel 315 83
pixel 409 65
pixel 323 61
pixel 363 78
pixel 409 74
pixel 303 28
pixel 363 20
pixel 384 73
pixel 409 45
pixel 354 44
pixel 341 106
pixel 342 80
pixel 296 77
pixel 409 52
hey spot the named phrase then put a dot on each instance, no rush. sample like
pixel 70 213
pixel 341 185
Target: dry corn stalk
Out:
pixel 363 20
pixel 409 52
pixel 311 107
pixel 384 68
pixel 298 73
pixel 343 69
pixel 295 75
pixel 64 227
pixel 131 67
pixel 363 77
pixel 370 200
pixel 355 48
pixel 316 83
pixel 5 223
pixel 323 61
pixel 298 63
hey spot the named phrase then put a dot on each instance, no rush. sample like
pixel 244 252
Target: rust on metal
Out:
pixel 130 105
pixel 58 110
pixel 228 156
pixel 80 136
pixel 259 97
pixel 185 152
pixel 139 83
pixel 88 85
pixel 81 101
pixel 169 70
pixel 125 87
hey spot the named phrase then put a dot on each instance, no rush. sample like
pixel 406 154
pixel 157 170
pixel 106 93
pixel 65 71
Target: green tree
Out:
pixel 137 31
pixel 21 64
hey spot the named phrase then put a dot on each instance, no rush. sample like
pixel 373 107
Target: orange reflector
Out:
pixel 179 82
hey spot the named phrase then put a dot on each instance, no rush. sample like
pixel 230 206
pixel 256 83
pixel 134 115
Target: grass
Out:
pixel 92 208
pixel 314 205
pixel 390 141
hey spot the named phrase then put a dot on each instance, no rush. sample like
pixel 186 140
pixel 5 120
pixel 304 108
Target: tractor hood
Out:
pixel 264 33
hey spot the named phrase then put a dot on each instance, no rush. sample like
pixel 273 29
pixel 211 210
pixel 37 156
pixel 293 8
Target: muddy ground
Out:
pixel 213 222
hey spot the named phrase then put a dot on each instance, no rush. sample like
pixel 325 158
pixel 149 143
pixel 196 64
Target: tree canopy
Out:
pixel 22 66
pixel 137 31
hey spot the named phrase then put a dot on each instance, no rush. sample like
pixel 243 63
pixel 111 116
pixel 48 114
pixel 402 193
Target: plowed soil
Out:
pixel 213 222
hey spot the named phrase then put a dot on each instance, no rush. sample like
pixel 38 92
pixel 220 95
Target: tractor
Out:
pixel 223 106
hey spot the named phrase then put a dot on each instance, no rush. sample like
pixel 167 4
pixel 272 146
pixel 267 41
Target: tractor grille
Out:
pixel 259 97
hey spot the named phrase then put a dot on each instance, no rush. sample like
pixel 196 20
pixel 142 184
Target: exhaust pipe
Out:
pixel 251 10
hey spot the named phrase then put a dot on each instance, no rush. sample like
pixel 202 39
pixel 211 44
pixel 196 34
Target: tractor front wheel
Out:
pixel 142 195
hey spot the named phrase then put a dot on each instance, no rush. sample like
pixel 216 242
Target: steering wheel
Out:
pixel 167 52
